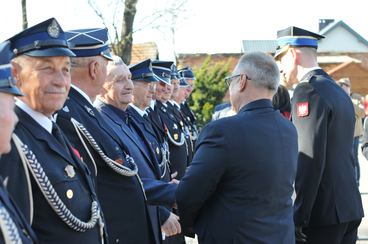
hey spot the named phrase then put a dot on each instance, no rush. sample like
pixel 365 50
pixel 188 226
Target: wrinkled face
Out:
pixel 44 81
pixel 163 92
pixel 183 94
pixel 143 93
pixel 190 87
pixel 8 120
pixel 120 86
pixel 288 68
pixel 175 89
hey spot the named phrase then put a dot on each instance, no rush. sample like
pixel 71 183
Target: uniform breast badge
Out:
pixel 69 169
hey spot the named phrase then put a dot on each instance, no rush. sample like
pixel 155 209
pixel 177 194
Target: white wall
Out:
pixel 341 40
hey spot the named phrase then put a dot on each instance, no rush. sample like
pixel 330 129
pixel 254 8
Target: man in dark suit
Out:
pixel 15 228
pixel 328 207
pixel 118 185
pixel 44 175
pixel 239 185
pixel 113 102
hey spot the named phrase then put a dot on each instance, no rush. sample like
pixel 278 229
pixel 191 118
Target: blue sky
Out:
pixel 205 26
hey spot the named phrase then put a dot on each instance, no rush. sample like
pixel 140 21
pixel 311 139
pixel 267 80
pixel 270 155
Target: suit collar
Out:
pixel 139 111
pixel 313 72
pixel 82 93
pixel 41 134
pixel 139 119
pixel 41 119
pixel 113 114
pixel 257 104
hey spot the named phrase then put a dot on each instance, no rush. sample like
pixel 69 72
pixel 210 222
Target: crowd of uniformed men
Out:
pixel 100 147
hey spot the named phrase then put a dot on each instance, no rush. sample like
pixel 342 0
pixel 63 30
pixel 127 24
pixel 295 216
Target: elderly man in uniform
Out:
pixel 177 111
pixel 239 185
pixel 144 81
pixel 145 84
pixel 118 185
pixel 113 101
pixel 328 206
pixel 44 175
pixel 13 226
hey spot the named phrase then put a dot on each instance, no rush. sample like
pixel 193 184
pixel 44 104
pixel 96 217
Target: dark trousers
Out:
pixel 344 233
pixel 356 159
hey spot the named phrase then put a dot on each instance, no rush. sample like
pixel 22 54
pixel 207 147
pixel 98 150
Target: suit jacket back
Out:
pixel 239 185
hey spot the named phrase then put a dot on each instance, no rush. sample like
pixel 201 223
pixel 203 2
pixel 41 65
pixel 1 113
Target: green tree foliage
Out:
pixel 209 89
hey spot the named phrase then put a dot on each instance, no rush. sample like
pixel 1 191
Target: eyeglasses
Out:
pixel 229 79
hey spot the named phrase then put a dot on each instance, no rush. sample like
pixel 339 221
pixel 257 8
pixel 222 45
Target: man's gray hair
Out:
pixel 116 60
pixel 261 68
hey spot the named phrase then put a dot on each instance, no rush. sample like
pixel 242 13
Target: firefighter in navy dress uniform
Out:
pixel 144 84
pixel 328 206
pixel 13 226
pixel 172 126
pixel 188 75
pixel 44 175
pixel 118 185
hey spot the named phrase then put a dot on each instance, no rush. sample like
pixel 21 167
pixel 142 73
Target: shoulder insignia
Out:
pixel 5 181
pixel 66 109
pixel 302 109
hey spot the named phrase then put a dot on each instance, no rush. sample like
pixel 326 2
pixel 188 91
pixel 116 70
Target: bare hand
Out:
pixel 171 226
pixel 173 175
pixel 174 181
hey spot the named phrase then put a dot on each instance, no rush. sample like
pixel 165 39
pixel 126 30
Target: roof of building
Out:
pixel 269 46
pixel 342 24
pixel 142 51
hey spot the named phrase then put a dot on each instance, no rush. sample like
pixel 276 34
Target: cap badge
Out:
pixel 53 29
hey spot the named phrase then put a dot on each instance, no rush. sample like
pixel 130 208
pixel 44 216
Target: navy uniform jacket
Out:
pixel 122 198
pixel 157 191
pixel 146 127
pixel 191 120
pixel 239 185
pixel 160 129
pixel 186 127
pixel 326 189
pixel 25 232
pixel 47 225
pixel 178 153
